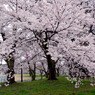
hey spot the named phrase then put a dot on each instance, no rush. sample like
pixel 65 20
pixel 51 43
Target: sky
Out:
pixel 2 61
pixel 1 39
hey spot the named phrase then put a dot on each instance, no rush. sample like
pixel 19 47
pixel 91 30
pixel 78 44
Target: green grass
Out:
pixel 48 87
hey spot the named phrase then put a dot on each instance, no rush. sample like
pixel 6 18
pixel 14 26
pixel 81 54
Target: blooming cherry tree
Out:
pixel 50 21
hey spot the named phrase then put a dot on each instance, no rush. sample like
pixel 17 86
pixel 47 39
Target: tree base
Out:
pixel 52 79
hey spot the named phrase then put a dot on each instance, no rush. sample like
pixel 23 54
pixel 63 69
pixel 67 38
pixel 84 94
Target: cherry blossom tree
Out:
pixel 49 21
pixel 7 48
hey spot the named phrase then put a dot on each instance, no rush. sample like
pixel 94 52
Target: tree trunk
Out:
pixel 57 71
pixel 32 72
pixel 51 63
pixel 10 77
pixel 33 77
pixel 41 72
pixel 10 73
pixel 51 68
pixel 46 74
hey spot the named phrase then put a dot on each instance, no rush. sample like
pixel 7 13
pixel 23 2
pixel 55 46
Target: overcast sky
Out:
pixel 2 61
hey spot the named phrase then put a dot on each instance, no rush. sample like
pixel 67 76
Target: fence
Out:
pixel 3 78
pixel 64 73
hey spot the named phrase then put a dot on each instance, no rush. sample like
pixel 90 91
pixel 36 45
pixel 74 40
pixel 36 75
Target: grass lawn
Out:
pixel 48 87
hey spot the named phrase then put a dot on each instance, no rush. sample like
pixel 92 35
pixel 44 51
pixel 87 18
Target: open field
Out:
pixel 17 77
pixel 25 77
pixel 48 87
